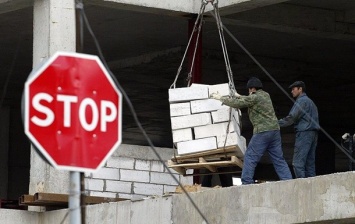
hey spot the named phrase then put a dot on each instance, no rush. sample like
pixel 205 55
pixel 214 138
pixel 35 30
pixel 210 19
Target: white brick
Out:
pixel 134 175
pixel 107 173
pixel 119 186
pixel 163 178
pixel 168 188
pixel 235 140
pixel 172 171
pixel 242 143
pixel 88 175
pixel 236 121
pixel 142 165
pixel 130 196
pixel 188 94
pixel 206 105
pixel 121 162
pixel 221 115
pixel 232 139
pixel 181 135
pixel 196 145
pixel 94 185
pixel 222 89
pixel 148 189
pixel 198 85
pixel 157 166
pixel 103 194
pixel 180 109
pixel 188 180
pixel 189 121
pixel 212 130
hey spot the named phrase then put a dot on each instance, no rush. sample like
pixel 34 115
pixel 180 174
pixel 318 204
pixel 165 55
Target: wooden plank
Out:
pixel 214 157
pixel 206 153
pixel 237 161
pixel 212 166
pixel 180 170
pixel 51 197
pixel 60 200
pixel 209 167
pixel 197 165
pixel 98 200
pixel 26 199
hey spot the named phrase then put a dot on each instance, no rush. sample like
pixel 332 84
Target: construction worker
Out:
pixel 304 117
pixel 266 131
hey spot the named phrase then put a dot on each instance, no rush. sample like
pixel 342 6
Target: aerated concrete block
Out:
pixel 206 105
pixel 189 121
pixel 180 109
pixel 198 85
pixel 198 145
pixel 236 120
pixel 242 143
pixel 182 135
pixel 222 89
pixel 232 139
pixel 221 115
pixel 187 94
pixel 212 130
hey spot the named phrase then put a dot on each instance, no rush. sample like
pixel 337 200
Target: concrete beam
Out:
pixel 183 7
pixel 347 16
pixel 294 30
pixel 13 5
pixel 287 18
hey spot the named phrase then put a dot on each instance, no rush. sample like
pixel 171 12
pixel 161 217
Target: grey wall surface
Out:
pixel 322 199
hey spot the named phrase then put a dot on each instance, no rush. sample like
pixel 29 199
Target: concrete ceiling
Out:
pixel 306 40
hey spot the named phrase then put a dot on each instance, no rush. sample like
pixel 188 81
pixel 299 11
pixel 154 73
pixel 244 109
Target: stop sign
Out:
pixel 73 112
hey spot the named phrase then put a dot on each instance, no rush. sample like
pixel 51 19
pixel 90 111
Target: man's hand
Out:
pixel 215 96
pixel 237 94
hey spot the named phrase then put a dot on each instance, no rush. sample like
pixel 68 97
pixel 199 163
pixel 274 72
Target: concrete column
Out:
pixel 53 30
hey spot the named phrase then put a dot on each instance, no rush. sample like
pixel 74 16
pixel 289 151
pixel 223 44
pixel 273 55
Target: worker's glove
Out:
pixel 237 94
pixel 215 96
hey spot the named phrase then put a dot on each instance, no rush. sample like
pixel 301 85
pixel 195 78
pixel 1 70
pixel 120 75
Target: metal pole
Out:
pixel 74 198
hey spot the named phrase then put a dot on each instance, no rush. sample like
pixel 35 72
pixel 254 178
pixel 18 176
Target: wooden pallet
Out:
pixel 210 155
pixel 59 200
pixel 203 164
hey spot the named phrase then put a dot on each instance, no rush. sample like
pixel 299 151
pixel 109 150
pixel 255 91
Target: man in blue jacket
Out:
pixel 304 117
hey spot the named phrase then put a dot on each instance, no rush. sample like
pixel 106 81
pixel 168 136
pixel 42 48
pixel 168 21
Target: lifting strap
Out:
pixel 197 28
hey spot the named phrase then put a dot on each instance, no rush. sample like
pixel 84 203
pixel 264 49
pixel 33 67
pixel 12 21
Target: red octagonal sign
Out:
pixel 73 112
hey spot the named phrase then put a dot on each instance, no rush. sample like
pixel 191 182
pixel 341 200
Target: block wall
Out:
pixel 134 172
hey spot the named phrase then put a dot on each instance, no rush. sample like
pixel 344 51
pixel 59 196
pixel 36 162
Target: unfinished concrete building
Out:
pixel 143 43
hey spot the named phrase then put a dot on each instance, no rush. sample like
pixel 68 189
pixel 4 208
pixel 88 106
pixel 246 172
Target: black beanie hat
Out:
pixel 254 82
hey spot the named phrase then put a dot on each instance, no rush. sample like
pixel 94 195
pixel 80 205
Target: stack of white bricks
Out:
pixel 201 124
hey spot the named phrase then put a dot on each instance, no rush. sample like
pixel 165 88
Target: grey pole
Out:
pixel 74 198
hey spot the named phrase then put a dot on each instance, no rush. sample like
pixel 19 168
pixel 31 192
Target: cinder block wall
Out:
pixel 134 172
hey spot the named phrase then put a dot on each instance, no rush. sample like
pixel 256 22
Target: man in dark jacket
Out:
pixel 304 117
pixel 266 131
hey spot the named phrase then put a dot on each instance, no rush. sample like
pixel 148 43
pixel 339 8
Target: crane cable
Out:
pixel 199 21
pixel 197 28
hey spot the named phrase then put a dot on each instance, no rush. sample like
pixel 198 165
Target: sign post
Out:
pixel 73 114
